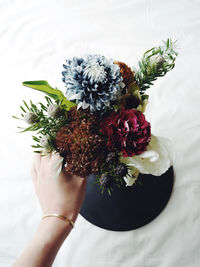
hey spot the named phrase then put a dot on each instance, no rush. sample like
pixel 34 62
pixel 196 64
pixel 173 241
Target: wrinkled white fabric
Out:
pixel 36 37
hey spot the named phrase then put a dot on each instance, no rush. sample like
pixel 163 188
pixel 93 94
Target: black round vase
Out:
pixel 127 208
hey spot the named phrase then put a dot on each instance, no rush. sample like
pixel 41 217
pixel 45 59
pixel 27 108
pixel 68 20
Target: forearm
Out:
pixel 45 244
pixel 63 195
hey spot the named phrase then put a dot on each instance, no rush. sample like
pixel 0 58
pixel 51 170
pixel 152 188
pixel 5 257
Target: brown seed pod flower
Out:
pixel 81 144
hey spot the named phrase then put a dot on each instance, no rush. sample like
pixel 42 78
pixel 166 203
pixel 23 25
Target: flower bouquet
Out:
pixel 98 126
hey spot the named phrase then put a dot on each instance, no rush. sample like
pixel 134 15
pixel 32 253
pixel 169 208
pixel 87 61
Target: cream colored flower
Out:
pixel 156 160
pixel 54 111
pixel 44 141
pixel 157 61
pixel 132 176
pixel 30 118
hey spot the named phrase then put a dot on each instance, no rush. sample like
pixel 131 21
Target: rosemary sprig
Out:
pixel 44 124
pixel 155 63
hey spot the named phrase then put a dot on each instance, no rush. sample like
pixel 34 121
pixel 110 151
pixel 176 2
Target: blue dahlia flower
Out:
pixel 93 81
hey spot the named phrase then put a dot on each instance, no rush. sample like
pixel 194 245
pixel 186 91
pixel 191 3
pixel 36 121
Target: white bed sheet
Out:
pixel 35 39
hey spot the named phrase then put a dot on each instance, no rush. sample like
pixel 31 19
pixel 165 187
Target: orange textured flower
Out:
pixel 126 72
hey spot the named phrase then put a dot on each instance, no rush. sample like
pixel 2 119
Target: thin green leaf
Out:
pixel 31 128
pixel 35 139
pixel 48 99
pixel 167 43
pixel 43 106
pixel 36 146
pixel 109 192
pixel 33 106
pixel 14 117
pixel 56 94
pixel 26 105
pixel 23 109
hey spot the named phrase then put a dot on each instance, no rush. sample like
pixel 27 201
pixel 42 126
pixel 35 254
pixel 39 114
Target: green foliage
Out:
pixel 45 125
pixel 110 169
pixel 155 63
pixel 56 94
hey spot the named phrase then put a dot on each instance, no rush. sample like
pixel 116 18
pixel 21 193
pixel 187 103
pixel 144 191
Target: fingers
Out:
pixel 37 161
pixel 45 159
pixel 55 157
pixel 34 169
pixel 34 175
pixel 56 163
pixel 53 163
pixel 50 158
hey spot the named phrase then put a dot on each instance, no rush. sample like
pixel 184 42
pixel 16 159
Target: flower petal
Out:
pixel 156 160
pixel 131 177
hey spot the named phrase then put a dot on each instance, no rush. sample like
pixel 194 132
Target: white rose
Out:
pixel 156 160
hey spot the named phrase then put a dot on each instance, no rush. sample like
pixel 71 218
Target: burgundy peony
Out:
pixel 127 131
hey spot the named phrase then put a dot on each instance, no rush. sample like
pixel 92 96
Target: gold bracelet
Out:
pixel 60 217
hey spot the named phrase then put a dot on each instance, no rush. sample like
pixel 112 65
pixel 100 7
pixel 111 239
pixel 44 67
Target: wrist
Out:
pixel 48 239
pixel 55 225
pixel 51 230
pixel 61 217
pixel 70 214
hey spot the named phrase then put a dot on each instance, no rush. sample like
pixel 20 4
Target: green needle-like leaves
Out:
pixel 155 63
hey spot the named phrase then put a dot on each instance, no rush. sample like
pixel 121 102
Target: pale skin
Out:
pixel 62 195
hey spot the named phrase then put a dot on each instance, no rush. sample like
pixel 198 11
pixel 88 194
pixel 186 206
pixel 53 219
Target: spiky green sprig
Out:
pixel 45 125
pixel 155 63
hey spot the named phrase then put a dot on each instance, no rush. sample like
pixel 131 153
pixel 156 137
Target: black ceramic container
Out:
pixel 127 208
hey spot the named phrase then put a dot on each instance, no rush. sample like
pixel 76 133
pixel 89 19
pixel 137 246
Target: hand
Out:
pixel 63 194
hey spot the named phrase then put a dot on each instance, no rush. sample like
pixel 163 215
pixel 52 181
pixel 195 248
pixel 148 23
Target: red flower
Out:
pixel 128 131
